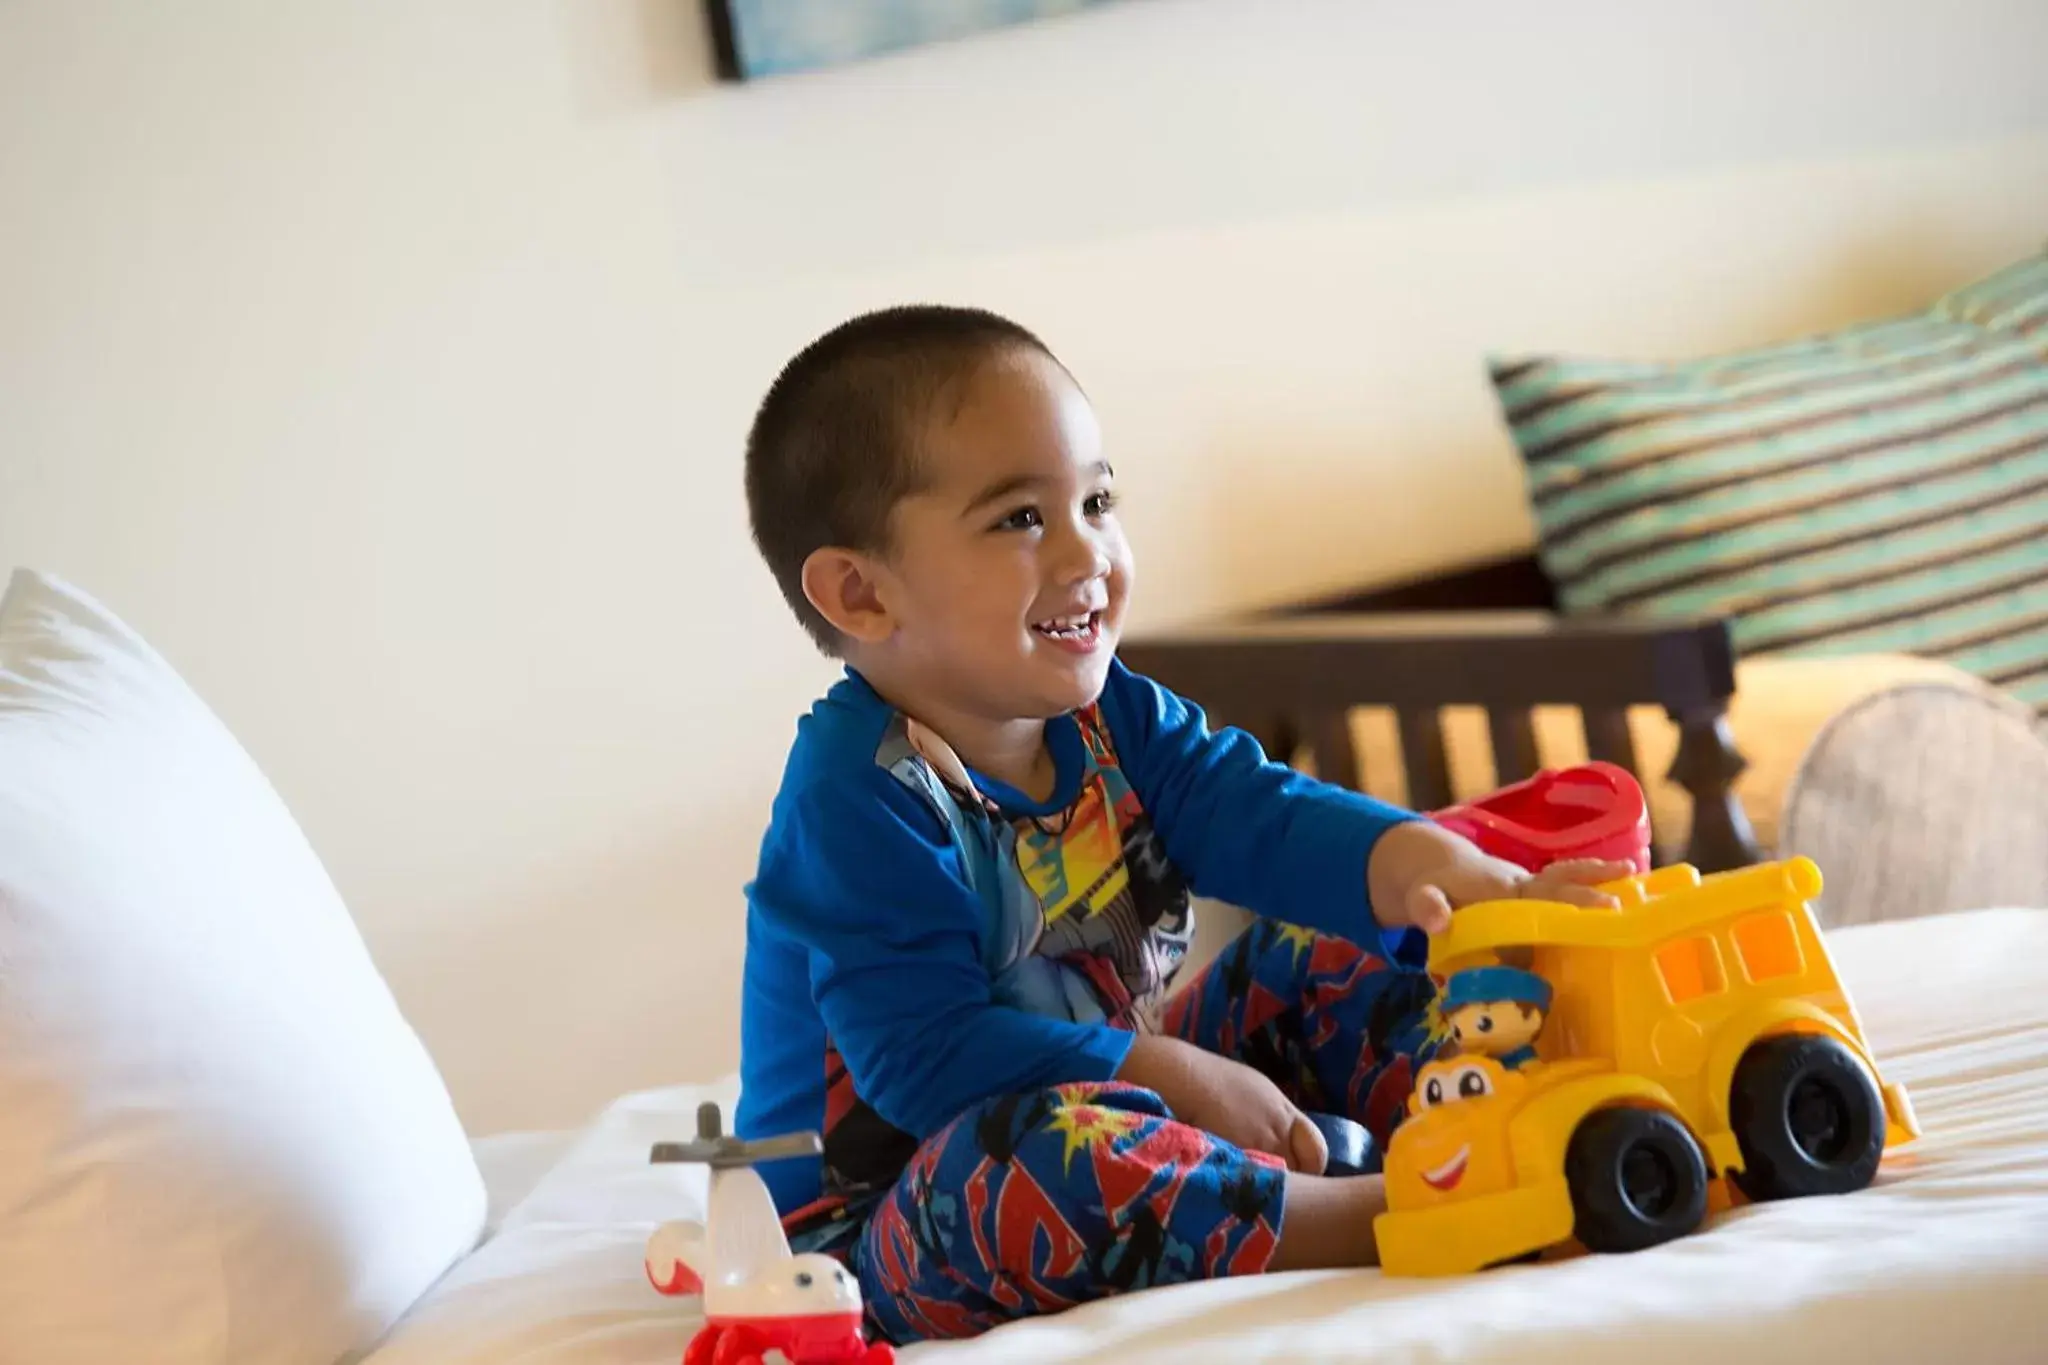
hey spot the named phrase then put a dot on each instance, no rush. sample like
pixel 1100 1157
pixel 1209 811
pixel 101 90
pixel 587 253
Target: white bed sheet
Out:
pixel 1946 1256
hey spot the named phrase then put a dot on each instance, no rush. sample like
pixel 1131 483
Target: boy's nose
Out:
pixel 1082 559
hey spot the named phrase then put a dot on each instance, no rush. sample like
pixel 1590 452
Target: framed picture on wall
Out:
pixel 756 38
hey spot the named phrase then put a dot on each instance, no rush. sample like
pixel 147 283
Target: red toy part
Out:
pixel 1596 810
pixel 825 1339
pixel 681 1280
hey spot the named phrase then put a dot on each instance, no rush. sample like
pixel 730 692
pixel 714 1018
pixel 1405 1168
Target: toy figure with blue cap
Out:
pixel 1497 1011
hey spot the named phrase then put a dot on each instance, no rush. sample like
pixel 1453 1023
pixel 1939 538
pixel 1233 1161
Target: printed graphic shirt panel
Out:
pixel 1087 918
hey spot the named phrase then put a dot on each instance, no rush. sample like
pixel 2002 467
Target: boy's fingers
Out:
pixel 1429 909
pixel 1582 895
pixel 1590 870
pixel 1573 881
pixel 1311 1154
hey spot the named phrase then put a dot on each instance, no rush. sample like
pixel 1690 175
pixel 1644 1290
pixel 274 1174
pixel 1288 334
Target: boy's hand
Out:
pixel 1226 1098
pixel 1420 872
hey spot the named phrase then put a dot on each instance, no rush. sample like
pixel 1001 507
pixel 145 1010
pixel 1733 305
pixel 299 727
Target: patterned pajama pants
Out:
pixel 1032 1203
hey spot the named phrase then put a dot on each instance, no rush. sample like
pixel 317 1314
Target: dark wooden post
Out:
pixel 1707 765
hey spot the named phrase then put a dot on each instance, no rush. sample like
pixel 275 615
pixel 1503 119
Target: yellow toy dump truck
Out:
pixel 1697 1034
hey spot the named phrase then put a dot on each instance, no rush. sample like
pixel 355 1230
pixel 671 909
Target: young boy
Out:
pixel 974 893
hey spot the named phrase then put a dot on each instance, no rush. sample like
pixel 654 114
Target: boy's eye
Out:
pixel 1099 504
pixel 1023 519
pixel 1486 1023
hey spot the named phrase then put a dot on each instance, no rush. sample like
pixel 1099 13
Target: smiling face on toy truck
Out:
pixel 1697 1033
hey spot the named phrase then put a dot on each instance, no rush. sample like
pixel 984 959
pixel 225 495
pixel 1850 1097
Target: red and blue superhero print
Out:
pixel 1032 1203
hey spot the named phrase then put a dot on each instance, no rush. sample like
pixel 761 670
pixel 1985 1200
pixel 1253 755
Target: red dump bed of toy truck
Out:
pixel 1596 810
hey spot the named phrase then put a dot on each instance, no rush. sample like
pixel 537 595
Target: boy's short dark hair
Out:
pixel 833 446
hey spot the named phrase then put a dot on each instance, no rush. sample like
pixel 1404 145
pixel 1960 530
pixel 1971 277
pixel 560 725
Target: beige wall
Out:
pixel 386 362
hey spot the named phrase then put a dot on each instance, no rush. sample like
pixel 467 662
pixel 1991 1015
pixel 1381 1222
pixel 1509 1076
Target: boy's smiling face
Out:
pixel 1007 574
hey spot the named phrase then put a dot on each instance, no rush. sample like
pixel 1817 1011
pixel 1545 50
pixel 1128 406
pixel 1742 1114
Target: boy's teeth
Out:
pixel 1071 625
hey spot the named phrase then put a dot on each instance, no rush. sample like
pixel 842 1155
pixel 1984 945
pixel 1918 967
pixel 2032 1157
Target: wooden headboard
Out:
pixel 1485 635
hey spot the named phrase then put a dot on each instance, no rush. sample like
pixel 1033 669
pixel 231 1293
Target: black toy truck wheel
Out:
pixel 1637 1179
pixel 1808 1118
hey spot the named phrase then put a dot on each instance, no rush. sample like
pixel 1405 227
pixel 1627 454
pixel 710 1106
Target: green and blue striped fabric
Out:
pixel 1879 489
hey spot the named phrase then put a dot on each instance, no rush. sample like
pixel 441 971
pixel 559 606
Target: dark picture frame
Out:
pixel 752 39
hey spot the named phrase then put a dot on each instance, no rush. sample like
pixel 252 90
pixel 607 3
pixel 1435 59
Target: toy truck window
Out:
pixel 1691 968
pixel 1769 946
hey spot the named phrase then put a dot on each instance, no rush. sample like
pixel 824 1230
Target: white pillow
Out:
pixel 220 1142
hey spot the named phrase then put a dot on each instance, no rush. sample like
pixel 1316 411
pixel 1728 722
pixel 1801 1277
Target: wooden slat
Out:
pixel 1608 739
pixel 1287 738
pixel 1424 756
pixel 1514 744
pixel 1329 739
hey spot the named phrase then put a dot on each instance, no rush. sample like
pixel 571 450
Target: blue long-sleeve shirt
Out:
pixel 921 937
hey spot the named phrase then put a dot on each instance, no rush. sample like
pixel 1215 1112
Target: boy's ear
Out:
pixel 844 585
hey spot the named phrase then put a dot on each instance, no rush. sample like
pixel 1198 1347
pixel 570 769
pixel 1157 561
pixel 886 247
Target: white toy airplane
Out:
pixel 761 1304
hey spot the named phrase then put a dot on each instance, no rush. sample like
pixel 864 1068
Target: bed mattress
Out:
pixel 1945 1257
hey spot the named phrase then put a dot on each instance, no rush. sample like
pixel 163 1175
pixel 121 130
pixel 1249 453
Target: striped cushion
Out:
pixel 1882 489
